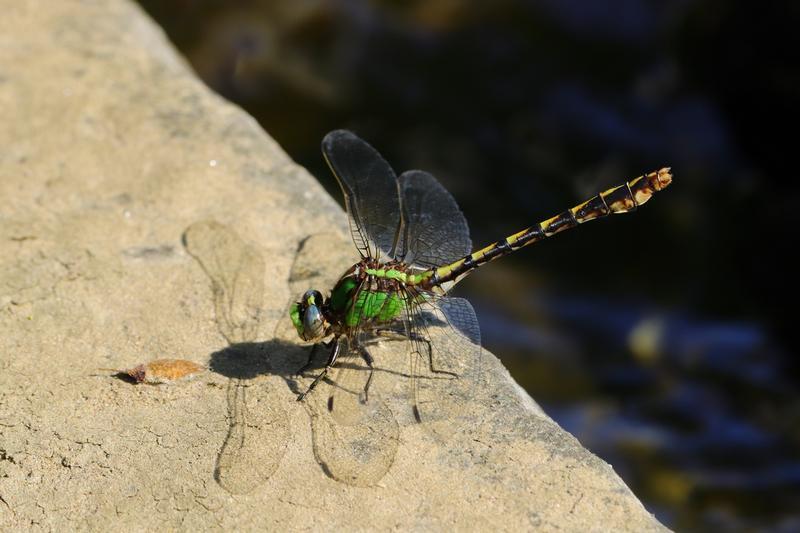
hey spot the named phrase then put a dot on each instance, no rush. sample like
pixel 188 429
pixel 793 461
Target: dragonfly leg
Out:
pixel 414 336
pixel 310 361
pixel 365 355
pixel 335 346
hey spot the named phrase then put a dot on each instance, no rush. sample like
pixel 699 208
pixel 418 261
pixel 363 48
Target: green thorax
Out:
pixel 370 295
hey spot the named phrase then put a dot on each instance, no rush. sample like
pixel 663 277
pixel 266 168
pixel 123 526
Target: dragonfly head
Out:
pixel 308 317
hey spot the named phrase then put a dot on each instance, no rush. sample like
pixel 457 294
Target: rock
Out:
pixel 145 218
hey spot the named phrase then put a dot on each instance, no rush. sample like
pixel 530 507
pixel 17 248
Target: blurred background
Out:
pixel 663 340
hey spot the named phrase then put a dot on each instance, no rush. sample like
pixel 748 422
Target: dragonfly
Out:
pixel 415 245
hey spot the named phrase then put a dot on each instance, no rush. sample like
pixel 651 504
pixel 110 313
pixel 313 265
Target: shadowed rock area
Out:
pixel 145 218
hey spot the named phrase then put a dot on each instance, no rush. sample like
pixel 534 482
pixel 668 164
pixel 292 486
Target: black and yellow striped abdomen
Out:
pixel 621 199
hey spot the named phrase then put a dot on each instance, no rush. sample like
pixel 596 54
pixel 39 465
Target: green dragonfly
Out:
pixel 415 246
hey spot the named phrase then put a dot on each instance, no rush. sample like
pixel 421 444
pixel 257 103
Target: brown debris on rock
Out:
pixel 160 371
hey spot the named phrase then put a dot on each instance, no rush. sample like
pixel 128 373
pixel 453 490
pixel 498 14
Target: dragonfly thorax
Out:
pixel 369 293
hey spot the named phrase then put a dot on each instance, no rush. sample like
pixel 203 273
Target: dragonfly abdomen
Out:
pixel 621 199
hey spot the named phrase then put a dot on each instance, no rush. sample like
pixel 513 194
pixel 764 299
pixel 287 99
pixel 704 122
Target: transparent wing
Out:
pixel 445 357
pixel 435 231
pixel 452 328
pixel 370 190
pixel 460 315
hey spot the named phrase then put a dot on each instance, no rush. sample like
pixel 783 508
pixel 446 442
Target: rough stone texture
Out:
pixel 144 218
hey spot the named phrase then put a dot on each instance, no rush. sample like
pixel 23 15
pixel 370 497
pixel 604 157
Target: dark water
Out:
pixel 663 340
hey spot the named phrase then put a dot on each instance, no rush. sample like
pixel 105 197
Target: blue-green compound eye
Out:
pixel 307 316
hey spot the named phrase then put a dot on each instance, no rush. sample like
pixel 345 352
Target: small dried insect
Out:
pixel 159 371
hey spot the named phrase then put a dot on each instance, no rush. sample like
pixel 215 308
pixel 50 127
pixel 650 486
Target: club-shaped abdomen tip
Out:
pixel 664 178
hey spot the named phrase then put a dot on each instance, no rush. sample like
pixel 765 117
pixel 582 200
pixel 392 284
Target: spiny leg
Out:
pixel 310 361
pixel 331 361
pixel 416 337
pixel 365 355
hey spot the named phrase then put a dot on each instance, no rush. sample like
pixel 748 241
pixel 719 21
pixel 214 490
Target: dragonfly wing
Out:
pixel 445 357
pixel 435 232
pixel 370 190
pixel 452 327
pixel 460 315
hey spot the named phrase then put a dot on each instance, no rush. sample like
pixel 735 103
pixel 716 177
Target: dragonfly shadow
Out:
pixel 258 427
pixel 353 443
pixel 249 360
pixel 293 379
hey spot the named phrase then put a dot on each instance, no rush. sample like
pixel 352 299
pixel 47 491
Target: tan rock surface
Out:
pixel 144 218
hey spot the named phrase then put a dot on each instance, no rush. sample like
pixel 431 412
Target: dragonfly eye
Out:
pixel 307 316
pixel 313 298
